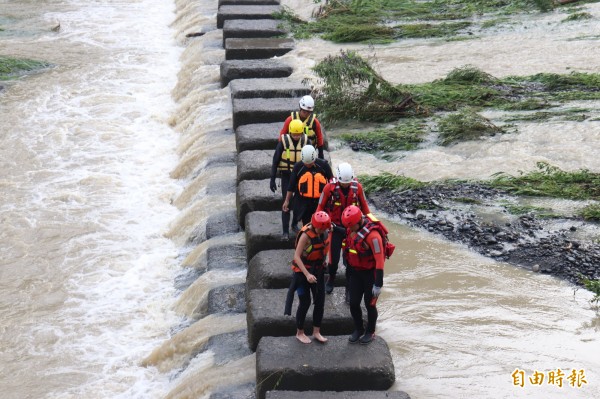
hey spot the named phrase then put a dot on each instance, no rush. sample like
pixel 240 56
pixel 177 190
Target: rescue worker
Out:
pixel 307 181
pixel 312 126
pixel 338 194
pixel 365 254
pixel 312 245
pixel 287 153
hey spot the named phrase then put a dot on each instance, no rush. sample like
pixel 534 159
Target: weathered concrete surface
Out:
pixel 264 232
pixel 265 318
pixel 229 346
pixel 258 48
pixel 284 363
pixel 254 165
pixel 258 136
pixel 226 256
pixel 244 28
pixel 337 395
pixel 244 391
pixel 227 299
pixel 227 12
pixel 248 2
pixel 221 224
pixel 269 88
pixel 249 69
pixel 255 195
pixel 271 269
pixel 262 110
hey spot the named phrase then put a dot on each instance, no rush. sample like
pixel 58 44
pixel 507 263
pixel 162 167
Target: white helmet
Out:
pixel 307 103
pixel 345 174
pixel 308 154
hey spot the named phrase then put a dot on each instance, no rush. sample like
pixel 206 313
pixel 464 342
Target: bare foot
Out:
pixel 319 338
pixel 302 337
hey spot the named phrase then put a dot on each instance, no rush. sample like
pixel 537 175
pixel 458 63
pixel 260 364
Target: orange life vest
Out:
pixel 313 255
pixel 311 182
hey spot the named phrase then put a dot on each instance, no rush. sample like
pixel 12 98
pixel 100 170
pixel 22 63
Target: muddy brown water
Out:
pixel 103 183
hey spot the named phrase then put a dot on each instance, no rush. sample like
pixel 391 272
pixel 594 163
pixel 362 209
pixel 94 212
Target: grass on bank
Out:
pixel 464 126
pixel 389 182
pixel 591 212
pixel 592 286
pixel 376 21
pixel 405 136
pixel 11 68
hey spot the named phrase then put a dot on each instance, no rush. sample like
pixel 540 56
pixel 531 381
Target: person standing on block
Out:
pixel 312 126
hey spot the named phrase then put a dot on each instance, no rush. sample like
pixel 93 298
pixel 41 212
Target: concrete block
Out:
pixel 226 256
pixel 227 12
pixel 258 136
pixel 264 232
pixel 248 2
pixel 227 299
pixel 257 48
pixel 249 69
pixel 254 165
pixel 271 269
pixel 262 110
pixel 285 364
pixel 337 395
pixel 221 224
pixel 251 28
pixel 255 195
pixel 269 88
pixel 265 318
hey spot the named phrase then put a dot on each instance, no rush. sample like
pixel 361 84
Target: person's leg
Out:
pixel 369 280
pixel 285 216
pixel 334 255
pixel 303 291
pixel 289 300
pixel 356 295
pixel 319 306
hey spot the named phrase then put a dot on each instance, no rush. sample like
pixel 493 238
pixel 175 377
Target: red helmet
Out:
pixel 321 220
pixel 351 215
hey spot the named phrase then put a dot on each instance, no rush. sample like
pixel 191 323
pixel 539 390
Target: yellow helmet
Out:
pixel 296 126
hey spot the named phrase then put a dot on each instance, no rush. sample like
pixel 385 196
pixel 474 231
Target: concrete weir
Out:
pixel 262 97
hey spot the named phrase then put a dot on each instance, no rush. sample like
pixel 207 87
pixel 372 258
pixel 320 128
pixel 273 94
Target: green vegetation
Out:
pixel 376 21
pixel 571 114
pixel 388 181
pixel 11 68
pixel 353 90
pixel 465 125
pixel 579 16
pixel 550 181
pixel 591 212
pixel 406 136
pixel 538 211
pixel 594 287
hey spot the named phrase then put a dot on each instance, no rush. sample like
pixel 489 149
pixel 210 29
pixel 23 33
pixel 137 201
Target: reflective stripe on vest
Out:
pixel 338 202
pixel 358 253
pixel 291 153
pixel 308 124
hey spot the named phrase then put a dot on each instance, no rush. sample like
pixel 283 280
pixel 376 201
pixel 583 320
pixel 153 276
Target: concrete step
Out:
pixel 249 69
pixel 227 12
pixel 285 364
pixel 259 48
pixel 265 318
pixel 262 110
pixel 255 195
pixel 264 232
pixel 269 88
pixel 251 28
pixel 267 269
pixel 257 136
pixel 254 165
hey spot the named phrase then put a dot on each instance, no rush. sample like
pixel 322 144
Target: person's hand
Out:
pixel 285 206
pixel 376 291
pixel 311 278
pixel 272 185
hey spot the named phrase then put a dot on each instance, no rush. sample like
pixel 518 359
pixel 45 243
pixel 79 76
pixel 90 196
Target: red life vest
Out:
pixel 313 255
pixel 358 253
pixel 338 202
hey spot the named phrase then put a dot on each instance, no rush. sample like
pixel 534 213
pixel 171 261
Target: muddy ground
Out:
pixel 469 213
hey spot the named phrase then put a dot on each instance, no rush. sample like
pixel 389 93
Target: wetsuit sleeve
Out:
pixel 364 207
pixel 324 198
pixel 285 128
pixel 276 159
pixel 375 243
pixel 293 178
